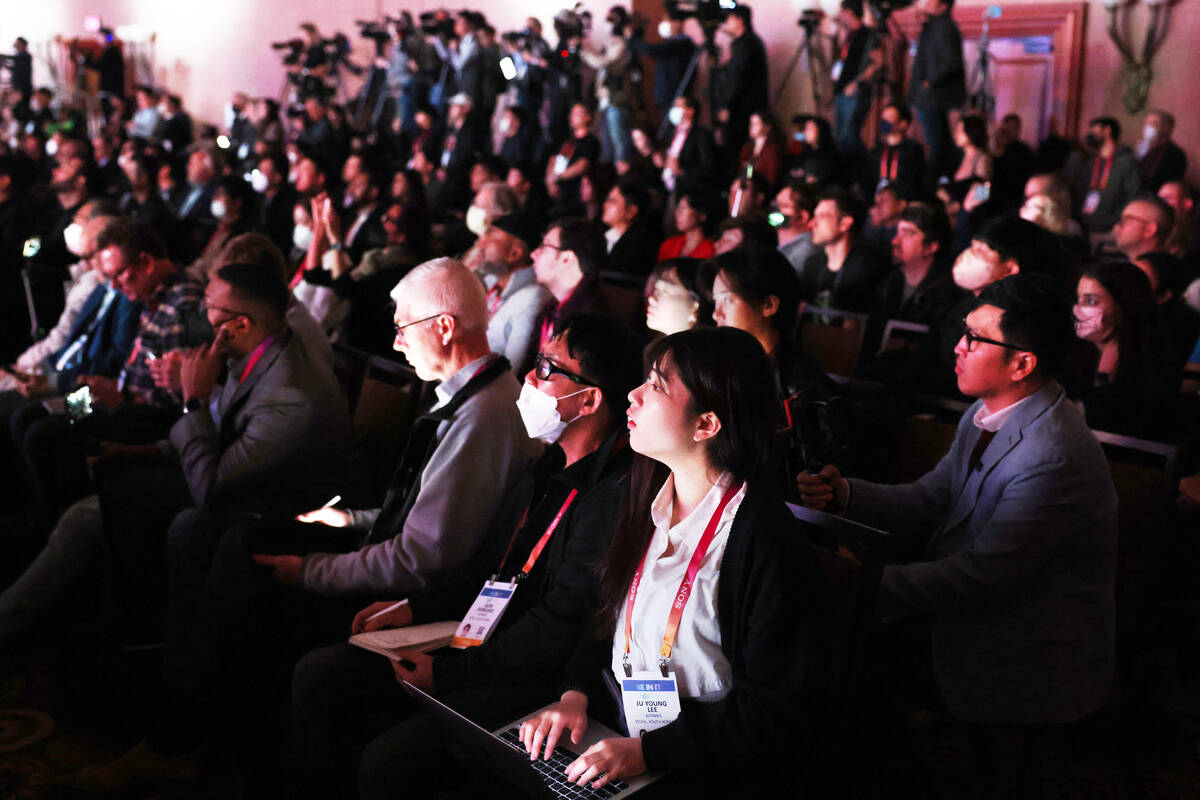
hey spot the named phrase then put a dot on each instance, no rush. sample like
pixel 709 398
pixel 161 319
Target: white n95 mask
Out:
pixel 539 412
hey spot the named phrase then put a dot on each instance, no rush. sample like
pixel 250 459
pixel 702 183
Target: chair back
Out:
pixel 833 338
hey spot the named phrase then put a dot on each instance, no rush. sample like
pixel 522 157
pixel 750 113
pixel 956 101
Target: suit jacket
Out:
pixel 697 157
pixel 279 440
pixel 1022 564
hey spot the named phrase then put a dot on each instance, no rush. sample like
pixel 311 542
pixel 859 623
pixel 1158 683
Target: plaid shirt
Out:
pixel 173 319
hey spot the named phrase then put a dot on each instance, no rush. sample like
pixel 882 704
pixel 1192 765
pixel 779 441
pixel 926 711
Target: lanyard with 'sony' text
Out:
pixel 681 596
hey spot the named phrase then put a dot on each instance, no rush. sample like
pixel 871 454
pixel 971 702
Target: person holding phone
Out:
pixel 708 582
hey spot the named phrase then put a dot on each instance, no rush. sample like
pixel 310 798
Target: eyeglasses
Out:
pixel 1127 217
pixel 543 368
pixel 400 328
pixel 544 243
pixel 972 338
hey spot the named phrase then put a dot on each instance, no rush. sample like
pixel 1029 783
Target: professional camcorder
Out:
pixel 572 22
pixel 709 13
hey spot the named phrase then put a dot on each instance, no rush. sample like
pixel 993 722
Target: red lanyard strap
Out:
pixel 1101 181
pixel 886 171
pixel 685 587
pixel 536 553
pixel 255 357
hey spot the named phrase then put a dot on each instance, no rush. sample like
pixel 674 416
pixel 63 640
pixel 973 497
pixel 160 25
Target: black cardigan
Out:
pixel 770 602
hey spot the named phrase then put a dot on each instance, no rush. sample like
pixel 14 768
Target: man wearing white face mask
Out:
pixel 671 55
pixel 269 181
pixel 1160 160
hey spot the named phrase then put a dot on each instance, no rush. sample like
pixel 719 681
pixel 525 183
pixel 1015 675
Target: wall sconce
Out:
pixel 1136 72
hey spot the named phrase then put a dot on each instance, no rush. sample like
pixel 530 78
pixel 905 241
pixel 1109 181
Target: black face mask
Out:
pixel 1092 141
pixel 885 128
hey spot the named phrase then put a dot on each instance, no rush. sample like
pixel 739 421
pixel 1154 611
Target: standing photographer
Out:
pixel 743 87
pixel 859 59
pixel 609 58
pixel 671 57
pixel 938 78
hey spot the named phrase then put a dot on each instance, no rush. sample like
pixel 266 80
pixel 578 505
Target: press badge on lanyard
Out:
pixel 494 597
pixel 650 698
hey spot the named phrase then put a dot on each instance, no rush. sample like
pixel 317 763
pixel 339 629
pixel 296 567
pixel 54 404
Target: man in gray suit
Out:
pixel 1018 525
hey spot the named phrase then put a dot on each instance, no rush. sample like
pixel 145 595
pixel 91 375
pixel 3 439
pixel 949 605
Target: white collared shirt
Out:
pixel 449 387
pixel 994 420
pixel 699 664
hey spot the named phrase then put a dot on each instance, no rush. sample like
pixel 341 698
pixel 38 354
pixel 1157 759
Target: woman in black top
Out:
pixel 702 424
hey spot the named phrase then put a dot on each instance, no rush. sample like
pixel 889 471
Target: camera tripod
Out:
pixel 811 55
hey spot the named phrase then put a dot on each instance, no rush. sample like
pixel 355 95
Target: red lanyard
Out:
pixel 137 348
pixel 541 544
pixel 685 586
pixel 886 171
pixel 1098 181
pixel 256 356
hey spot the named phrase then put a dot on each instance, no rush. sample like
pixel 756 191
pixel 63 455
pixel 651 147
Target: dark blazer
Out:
pixel 107 338
pixel 907 159
pixel 282 441
pixel 939 62
pixel 1020 565
pixel 697 158
pixel 634 253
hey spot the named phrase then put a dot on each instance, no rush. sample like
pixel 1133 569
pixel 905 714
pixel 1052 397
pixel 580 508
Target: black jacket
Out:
pixel 852 288
pixel 939 62
pixel 559 597
pixel 672 57
pixel 743 85
pixel 635 252
pixel 770 609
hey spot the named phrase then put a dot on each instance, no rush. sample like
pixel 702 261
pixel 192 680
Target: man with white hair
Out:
pixel 460 458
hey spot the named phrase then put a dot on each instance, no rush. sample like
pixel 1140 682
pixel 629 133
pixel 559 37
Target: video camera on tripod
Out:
pixel 573 22
pixel 709 13
pixel 294 48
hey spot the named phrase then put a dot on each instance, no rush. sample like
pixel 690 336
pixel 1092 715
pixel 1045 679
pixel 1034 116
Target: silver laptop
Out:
pixel 503 754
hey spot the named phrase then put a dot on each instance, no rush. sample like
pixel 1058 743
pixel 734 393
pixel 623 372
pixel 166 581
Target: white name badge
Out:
pixel 560 164
pixel 1091 202
pixel 837 71
pixel 651 701
pixel 484 614
pixel 446 158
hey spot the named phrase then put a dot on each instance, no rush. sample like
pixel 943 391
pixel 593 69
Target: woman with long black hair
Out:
pixel 708 583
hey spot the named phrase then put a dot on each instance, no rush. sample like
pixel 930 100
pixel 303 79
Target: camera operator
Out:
pixel 671 55
pixel 564 85
pixel 464 57
pixel 859 58
pixel 743 84
pixel 938 79
pixel 412 68
pixel 311 71
pixel 21 73
pixel 609 58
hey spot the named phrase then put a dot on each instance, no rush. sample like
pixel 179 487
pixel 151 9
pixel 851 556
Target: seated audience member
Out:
pixel 1160 160
pixel 517 303
pixel 525 181
pixel 738 231
pixel 360 227
pixel 194 212
pixel 1136 378
pixel 883 216
pixel 691 153
pixel 631 236
pixel 762 153
pixel 451 162
pixel 1144 225
pixel 896 159
pixel 1021 576
pixel 273 437
pixel 142 201
pixel 691 223
pixel 1102 185
pixel 975 167
pixel 146 120
pixel 748 196
pixel 232 209
pixel 492 200
pixel 818 163
pixel 274 216
pixel 570 163
pixel 678 300
pixel 796 202
pixel 568 262
pixel 754 291
pixel 920 289
pixel 1004 246
pixel 344 697
pixel 1051 185
pixel 129 408
pixel 517 138
pixel 1047 213
pixel 1014 164
pixel 1181 197
pixel 844 272
pixel 702 423
pixel 1168 282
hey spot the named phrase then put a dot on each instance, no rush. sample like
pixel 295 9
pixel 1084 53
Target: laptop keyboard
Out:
pixel 554 772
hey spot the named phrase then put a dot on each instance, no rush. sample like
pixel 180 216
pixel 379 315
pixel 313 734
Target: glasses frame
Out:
pixel 400 328
pixel 971 338
pixel 542 364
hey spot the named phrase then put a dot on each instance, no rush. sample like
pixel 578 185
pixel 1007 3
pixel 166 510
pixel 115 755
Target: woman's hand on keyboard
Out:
pixel 569 713
pixel 607 760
